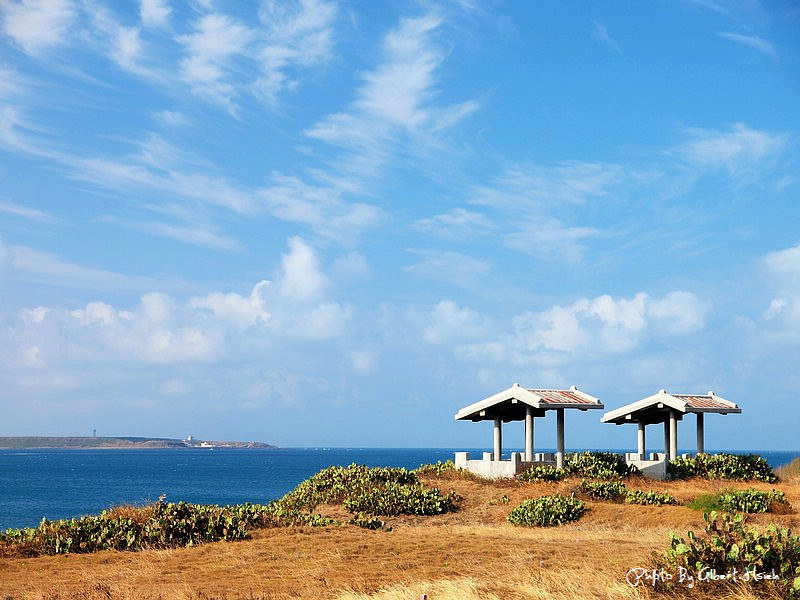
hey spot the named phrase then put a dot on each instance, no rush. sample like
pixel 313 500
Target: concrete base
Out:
pixel 489 468
pixel 655 467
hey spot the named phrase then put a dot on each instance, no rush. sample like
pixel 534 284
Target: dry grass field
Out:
pixel 470 554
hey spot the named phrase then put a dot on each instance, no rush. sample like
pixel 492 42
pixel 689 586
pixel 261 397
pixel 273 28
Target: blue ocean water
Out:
pixel 60 484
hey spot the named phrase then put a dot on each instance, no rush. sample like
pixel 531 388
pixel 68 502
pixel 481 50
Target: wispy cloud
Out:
pixel 601 35
pixel 299 34
pixel 751 41
pixel 457 223
pixel 736 150
pixel 26 212
pixel 216 41
pixel 38 25
pixel 572 182
pixel 397 96
pixel 451 267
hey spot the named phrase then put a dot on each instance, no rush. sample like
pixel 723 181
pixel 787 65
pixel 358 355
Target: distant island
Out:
pixel 31 442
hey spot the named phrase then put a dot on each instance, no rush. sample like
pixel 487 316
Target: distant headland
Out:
pixel 31 442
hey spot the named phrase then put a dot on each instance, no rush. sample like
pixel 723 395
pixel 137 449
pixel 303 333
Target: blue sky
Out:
pixel 336 223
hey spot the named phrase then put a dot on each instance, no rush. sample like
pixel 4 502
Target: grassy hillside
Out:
pixel 472 553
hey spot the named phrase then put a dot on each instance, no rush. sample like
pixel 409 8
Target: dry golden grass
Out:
pixel 471 554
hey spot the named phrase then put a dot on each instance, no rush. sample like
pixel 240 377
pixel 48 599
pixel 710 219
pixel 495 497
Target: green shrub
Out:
pixel 161 525
pixel 335 484
pixel 542 473
pixel 722 466
pixel 396 499
pixel 751 501
pixel 440 468
pixel 603 490
pixel 728 544
pixel 705 503
pixel 648 497
pixel 599 465
pixel 547 511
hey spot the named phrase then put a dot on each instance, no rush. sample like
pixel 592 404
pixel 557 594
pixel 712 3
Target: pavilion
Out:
pixel 517 404
pixel 667 409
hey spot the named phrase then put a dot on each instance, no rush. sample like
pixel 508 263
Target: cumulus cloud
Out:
pixel 608 326
pixel 782 270
pixel 449 321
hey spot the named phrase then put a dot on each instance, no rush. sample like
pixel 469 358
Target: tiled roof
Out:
pixel 704 401
pixel 561 397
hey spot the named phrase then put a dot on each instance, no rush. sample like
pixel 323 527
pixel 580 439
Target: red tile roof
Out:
pixel 561 397
pixel 701 401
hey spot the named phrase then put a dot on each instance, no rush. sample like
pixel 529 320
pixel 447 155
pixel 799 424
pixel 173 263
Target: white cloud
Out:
pixel 549 239
pixel 242 311
pixel 601 35
pixel 531 185
pixel 38 25
pixel 450 322
pixel 209 50
pixel 607 326
pixel 298 34
pixel 30 264
pixel 751 41
pixel 397 96
pixel 736 150
pixel 34 214
pixel 321 207
pixel 458 223
pixel 154 13
pixel 301 278
pixel 449 267
pixel 782 269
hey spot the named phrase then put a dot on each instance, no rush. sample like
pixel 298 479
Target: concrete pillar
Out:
pixel 528 434
pixel 666 438
pixel 498 439
pixel 641 445
pixel 559 438
pixel 673 435
pixel 700 434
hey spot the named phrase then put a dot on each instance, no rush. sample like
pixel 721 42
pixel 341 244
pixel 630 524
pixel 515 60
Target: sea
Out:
pixel 58 484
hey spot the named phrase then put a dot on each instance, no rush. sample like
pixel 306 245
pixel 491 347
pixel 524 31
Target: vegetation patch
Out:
pixel 742 467
pixel 542 473
pixel 599 465
pixel 611 491
pixel 753 501
pixel 547 511
pixel 648 497
pixel 728 545
pixel 705 503
pixel 362 490
pixel 161 525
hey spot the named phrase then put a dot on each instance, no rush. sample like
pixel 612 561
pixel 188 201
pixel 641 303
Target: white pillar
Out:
pixel 700 434
pixel 673 435
pixel 666 438
pixel 528 434
pixel 498 439
pixel 559 438
pixel 641 448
